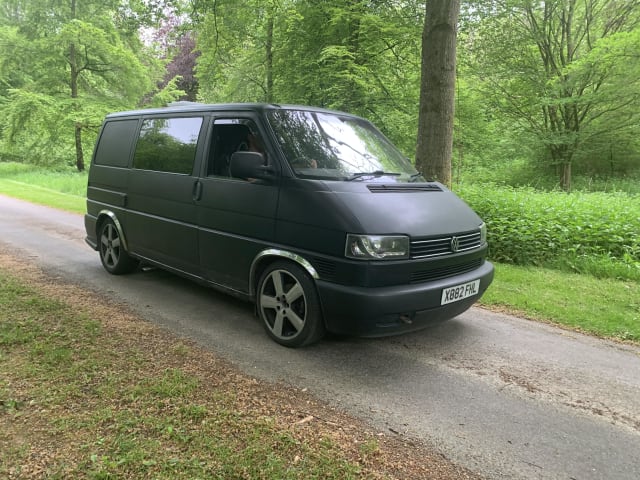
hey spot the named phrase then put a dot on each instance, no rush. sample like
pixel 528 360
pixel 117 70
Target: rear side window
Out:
pixel 114 148
pixel 167 144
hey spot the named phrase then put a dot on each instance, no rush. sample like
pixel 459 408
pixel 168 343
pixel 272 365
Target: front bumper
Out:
pixel 381 311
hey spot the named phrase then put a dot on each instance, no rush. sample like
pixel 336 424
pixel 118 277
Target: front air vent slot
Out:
pixel 402 188
pixel 444 272
pixel 325 268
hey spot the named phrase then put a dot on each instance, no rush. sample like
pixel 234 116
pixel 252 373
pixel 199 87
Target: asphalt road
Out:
pixel 502 396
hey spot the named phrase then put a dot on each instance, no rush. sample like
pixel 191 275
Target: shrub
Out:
pixel 578 231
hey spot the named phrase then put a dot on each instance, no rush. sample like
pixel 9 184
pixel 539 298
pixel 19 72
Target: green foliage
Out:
pixel 362 56
pixel 578 231
pixel 64 189
pixel 358 56
pixel 64 180
pixel 575 93
pixel 521 171
pixel 61 71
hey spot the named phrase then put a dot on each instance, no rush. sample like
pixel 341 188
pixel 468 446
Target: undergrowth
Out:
pixel 594 233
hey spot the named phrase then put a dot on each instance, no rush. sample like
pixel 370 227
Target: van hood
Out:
pixel 414 209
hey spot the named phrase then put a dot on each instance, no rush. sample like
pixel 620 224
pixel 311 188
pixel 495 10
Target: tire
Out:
pixel 289 306
pixel 114 257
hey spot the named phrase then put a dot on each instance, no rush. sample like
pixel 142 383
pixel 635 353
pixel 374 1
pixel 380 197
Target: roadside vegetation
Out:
pixel 568 259
pixel 59 188
pixel 585 232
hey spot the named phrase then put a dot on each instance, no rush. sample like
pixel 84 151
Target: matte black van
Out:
pixel 312 214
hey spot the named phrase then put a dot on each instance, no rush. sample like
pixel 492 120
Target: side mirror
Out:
pixel 247 165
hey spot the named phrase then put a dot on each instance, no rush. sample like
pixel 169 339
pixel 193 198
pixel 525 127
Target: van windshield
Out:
pixel 338 147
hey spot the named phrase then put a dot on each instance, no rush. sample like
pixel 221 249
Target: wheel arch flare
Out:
pixel 102 216
pixel 263 258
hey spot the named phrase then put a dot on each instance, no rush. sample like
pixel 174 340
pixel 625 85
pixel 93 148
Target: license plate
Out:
pixel 459 292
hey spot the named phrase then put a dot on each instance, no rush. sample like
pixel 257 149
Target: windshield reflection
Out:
pixel 338 147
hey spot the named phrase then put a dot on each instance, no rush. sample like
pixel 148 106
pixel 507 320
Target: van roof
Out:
pixel 182 106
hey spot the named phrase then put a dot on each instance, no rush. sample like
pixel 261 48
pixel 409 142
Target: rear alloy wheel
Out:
pixel 289 306
pixel 114 257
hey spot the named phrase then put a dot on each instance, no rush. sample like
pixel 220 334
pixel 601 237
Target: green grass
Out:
pixel 519 173
pixel 64 189
pixel 82 398
pixel 604 307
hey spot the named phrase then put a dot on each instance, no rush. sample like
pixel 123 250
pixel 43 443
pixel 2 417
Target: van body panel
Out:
pixel 110 179
pixel 161 218
pixel 106 189
pixel 108 197
pixel 331 207
pixel 311 217
pixel 236 220
pixel 409 212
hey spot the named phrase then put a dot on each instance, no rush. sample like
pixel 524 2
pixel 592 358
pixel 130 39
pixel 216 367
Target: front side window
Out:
pixel 231 135
pixel 340 147
pixel 167 144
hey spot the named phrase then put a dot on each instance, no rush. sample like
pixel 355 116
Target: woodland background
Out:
pixel 547 95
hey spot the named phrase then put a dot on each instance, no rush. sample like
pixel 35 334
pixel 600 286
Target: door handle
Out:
pixel 197 191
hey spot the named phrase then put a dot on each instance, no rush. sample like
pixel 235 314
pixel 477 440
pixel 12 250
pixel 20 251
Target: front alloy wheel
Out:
pixel 289 306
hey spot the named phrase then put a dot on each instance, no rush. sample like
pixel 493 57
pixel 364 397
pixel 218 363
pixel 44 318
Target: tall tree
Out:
pixel 437 90
pixel 237 42
pixel 360 56
pixel 174 41
pixel 77 61
pixel 547 66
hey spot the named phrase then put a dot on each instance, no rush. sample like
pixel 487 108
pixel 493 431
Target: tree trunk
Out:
pixel 437 90
pixel 79 152
pixel 565 177
pixel 73 83
pixel 269 55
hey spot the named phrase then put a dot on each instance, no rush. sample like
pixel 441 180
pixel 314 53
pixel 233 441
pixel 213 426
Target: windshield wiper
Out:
pixel 376 173
pixel 415 177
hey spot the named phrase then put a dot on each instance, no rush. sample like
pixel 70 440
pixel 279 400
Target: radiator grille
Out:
pixel 433 247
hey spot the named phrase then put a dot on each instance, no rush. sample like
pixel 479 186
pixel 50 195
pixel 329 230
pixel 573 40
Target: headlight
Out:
pixel 483 233
pixel 377 247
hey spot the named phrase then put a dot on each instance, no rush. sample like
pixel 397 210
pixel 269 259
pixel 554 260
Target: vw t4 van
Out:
pixel 310 213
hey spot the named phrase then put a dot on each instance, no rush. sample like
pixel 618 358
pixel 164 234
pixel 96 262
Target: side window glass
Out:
pixel 167 144
pixel 229 136
pixel 114 147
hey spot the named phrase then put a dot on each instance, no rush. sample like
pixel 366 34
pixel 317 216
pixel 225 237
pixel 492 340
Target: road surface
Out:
pixel 504 397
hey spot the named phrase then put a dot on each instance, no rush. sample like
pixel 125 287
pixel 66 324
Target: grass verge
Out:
pixel 43 196
pixel 65 190
pixel 604 307
pixel 90 392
